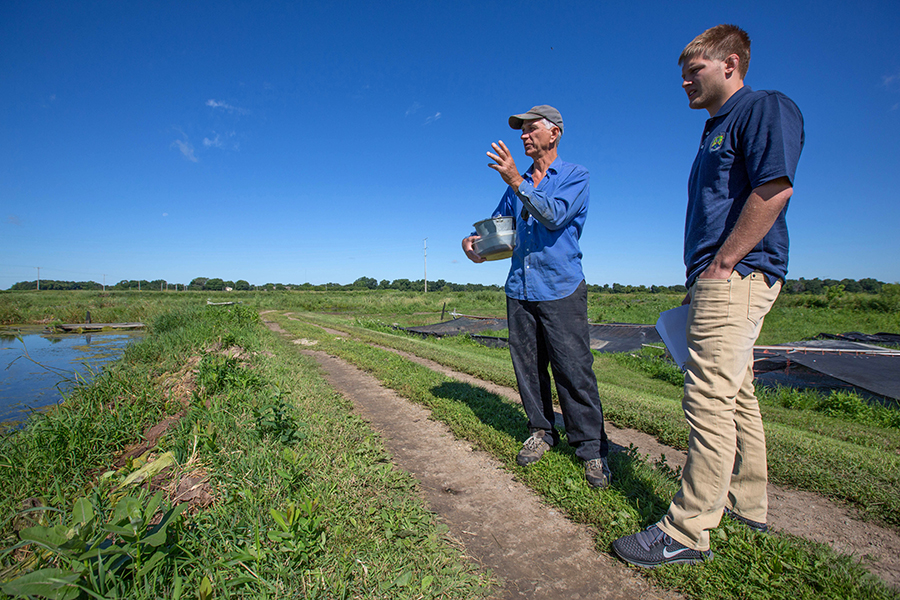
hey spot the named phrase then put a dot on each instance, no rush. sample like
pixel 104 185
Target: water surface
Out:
pixel 37 367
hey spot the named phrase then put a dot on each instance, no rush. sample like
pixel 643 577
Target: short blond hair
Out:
pixel 718 43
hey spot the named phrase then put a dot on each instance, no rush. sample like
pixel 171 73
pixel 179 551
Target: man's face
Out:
pixel 704 82
pixel 537 139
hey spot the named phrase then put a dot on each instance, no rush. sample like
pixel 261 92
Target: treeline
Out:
pixel 52 284
pixel 792 286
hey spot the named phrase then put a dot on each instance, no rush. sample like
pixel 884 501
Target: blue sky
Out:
pixel 323 142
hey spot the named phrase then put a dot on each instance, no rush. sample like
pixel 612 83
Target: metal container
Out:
pixel 498 238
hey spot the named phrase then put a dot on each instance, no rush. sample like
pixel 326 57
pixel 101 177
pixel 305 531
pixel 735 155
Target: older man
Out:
pixel 736 254
pixel 546 296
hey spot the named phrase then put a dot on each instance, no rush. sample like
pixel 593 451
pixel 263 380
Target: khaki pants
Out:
pixel 726 462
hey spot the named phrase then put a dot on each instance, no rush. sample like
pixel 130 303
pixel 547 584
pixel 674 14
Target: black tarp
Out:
pixel 605 337
pixel 886 339
pixel 856 364
pixel 829 362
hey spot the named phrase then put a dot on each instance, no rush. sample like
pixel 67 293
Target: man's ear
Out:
pixel 732 62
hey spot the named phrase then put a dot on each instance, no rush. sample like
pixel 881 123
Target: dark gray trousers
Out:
pixel 555 334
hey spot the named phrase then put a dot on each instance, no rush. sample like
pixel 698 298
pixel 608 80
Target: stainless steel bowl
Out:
pixel 498 238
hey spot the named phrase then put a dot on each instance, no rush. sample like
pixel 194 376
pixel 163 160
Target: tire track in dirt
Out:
pixel 796 512
pixel 535 551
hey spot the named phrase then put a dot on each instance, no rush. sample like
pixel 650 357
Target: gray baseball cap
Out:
pixel 542 111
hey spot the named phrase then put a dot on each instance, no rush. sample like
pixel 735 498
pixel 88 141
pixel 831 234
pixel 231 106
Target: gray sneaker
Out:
pixel 654 548
pixel 754 525
pixel 597 473
pixel 533 449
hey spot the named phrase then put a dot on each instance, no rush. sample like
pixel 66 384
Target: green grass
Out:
pixel 306 501
pixel 852 462
pixel 793 318
pixel 288 462
pixel 746 565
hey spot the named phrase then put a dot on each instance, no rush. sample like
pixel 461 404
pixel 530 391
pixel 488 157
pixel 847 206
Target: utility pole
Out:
pixel 425 256
pixel 38 279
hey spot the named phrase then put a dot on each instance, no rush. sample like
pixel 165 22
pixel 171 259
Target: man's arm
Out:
pixel 756 219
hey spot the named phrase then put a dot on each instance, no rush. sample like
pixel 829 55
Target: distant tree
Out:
pixel 813 286
pixel 365 283
pixel 851 285
pixel 215 284
pixel 870 286
pixel 241 285
pixel 791 286
pixel 198 283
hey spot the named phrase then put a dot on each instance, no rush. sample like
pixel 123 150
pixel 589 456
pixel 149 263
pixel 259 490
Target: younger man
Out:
pixel 736 254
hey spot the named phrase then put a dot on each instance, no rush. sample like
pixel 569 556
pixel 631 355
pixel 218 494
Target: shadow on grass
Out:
pixel 632 478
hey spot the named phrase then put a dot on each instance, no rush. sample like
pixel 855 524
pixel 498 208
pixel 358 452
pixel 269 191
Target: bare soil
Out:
pixel 536 551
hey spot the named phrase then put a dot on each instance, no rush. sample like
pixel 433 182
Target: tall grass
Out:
pixel 304 501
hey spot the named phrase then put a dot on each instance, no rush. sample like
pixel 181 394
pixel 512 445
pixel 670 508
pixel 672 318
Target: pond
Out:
pixel 37 367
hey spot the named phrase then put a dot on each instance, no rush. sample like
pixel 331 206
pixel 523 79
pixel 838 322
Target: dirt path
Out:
pixel 799 513
pixel 533 549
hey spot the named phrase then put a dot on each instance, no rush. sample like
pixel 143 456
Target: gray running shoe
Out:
pixel 653 548
pixel 597 473
pixel 533 449
pixel 754 525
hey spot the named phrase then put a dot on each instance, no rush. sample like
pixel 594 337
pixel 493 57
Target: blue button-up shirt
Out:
pixel 546 262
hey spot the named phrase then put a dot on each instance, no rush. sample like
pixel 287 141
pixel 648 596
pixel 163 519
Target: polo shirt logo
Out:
pixel 717 142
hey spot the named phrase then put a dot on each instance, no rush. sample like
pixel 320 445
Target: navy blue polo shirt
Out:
pixel 755 137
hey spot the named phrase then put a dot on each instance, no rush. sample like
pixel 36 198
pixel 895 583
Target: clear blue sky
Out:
pixel 322 142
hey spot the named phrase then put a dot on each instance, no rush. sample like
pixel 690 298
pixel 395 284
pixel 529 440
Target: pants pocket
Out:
pixel 760 297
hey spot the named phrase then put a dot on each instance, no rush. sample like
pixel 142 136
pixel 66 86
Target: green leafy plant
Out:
pixel 221 374
pixel 301 531
pixel 87 551
pixel 276 419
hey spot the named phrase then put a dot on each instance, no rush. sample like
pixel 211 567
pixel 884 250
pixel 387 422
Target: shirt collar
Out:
pixel 554 166
pixel 734 99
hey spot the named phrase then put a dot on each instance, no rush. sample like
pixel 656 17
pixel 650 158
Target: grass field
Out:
pixel 260 425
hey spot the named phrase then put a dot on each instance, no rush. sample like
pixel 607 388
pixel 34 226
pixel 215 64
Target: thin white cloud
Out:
pixel 223 141
pixel 887 80
pixel 165 214
pixel 227 107
pixel 415 106
pixel 13 220
pixel 432 118
pixel 186 149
